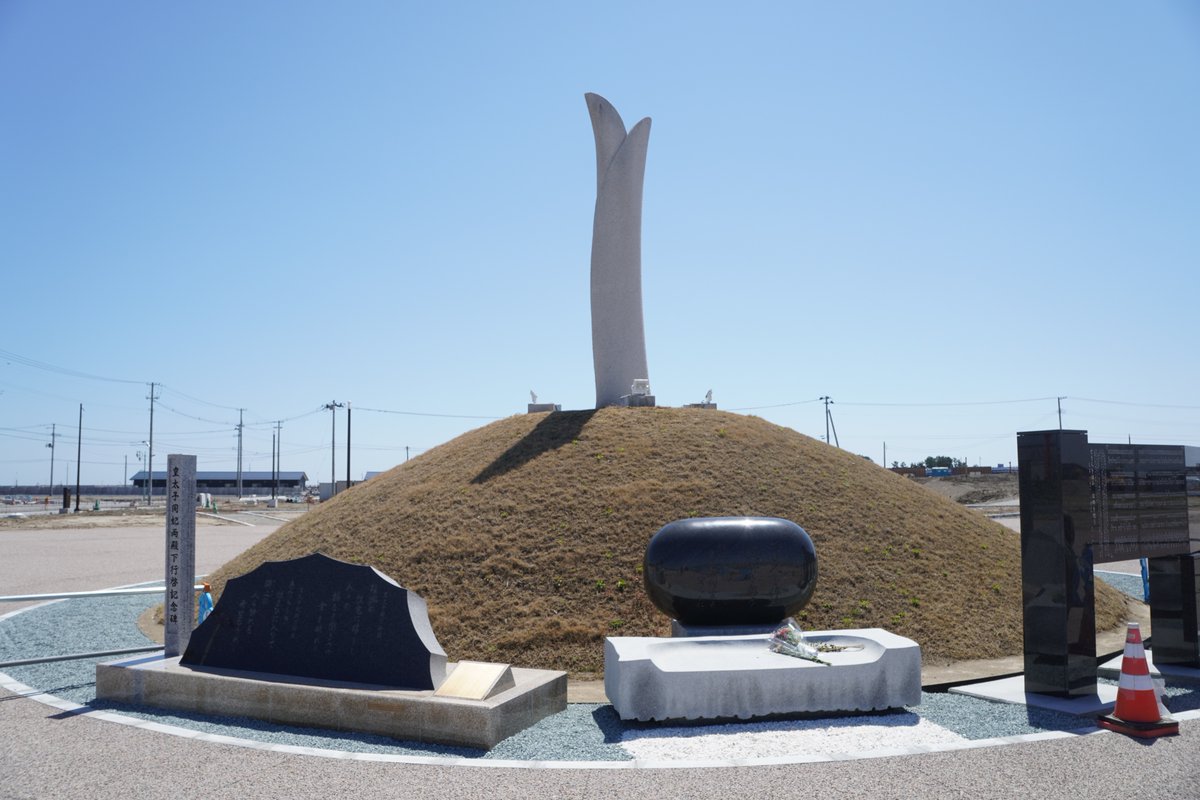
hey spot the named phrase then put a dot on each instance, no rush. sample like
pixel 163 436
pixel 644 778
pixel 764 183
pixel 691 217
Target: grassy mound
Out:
pixel 526 537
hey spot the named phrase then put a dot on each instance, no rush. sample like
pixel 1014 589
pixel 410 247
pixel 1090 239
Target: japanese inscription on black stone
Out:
pixel 318 617
pixel 1139 501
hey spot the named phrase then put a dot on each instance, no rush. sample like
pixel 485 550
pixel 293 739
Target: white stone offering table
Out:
pixel 738 677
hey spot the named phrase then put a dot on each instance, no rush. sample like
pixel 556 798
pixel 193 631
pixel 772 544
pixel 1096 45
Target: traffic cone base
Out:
pixel 1137 711
pixel 1143 730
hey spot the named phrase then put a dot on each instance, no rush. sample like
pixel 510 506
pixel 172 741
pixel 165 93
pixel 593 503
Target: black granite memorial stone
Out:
pixel 317 617
pixel 1084 503
pixel 1140 502
pixel 1174 600
pixel 1056 563
pixel 730 571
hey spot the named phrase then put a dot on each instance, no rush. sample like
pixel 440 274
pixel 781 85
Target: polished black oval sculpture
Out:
pixel 721 571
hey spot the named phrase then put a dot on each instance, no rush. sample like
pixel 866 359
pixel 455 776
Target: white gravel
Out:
pixel 821 737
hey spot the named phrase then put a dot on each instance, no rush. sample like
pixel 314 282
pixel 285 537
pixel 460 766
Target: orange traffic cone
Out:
pixel 1138 712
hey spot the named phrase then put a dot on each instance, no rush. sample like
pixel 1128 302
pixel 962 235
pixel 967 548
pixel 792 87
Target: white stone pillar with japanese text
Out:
pixel 179 607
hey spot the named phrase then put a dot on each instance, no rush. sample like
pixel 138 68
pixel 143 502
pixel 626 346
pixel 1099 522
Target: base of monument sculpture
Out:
pixel 639 401
pixel 414 715
pixel 680 630
pixel 541 408
pixel 738 677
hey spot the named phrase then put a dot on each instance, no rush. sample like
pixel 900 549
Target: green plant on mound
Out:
pixel 516 537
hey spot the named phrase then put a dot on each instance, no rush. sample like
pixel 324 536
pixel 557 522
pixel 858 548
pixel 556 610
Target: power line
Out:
pixel 422 414
pixel 1141 405
pixel 173 390
pixel 42 365
pixel 226 423
pixel 778 405
pixel 22 438
pixel 944 405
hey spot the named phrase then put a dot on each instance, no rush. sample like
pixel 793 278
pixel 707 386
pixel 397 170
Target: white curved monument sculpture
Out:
pixel 618 335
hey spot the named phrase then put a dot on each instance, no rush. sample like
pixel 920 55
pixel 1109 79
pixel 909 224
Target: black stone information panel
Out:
pixel 1139 503
pixel 1058 592
pixel 317 617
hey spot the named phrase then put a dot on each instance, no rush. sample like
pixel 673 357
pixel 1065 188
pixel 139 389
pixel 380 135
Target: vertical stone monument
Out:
pixel 1085 503
pixel 179 603
pixel 1175 603
pixel 618 333
pixel 1058 590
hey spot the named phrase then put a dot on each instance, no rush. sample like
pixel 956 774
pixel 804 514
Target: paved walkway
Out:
pixel 46 753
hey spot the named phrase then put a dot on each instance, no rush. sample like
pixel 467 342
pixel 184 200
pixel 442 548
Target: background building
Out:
pixel 225 483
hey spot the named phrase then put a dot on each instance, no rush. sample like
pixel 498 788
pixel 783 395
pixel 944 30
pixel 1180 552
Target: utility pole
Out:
pixel 347 444
pixel 278 454
pixel 146 486
pixel 1060 399
pixel 150 452
pixel 332 406
pixel 829 420
pixel 53 426
pixel 78 457
pixel 239 472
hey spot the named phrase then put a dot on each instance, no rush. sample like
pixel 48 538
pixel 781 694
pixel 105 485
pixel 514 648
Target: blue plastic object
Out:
pixel 205 606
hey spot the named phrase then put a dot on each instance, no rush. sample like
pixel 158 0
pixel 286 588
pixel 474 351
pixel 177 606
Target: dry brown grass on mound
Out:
pixel 526 537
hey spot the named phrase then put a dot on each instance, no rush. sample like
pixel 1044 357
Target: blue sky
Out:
pixel 942 215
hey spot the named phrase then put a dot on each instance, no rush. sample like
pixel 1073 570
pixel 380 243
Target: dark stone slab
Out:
pixel 1058 591
pixel 721 571
pixel 1140 506
pixel 317 617
pixel 1083 503
pixel 1174 599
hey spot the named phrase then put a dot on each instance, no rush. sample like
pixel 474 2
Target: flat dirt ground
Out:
pixel 999 489
pixel 99 550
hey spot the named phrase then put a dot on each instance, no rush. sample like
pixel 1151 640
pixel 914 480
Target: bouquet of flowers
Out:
pixel 788 639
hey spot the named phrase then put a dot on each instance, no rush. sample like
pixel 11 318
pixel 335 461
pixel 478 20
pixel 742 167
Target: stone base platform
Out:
pixel 411 715
pixel 1012 690
pixel 1112 669
pixel 738 677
